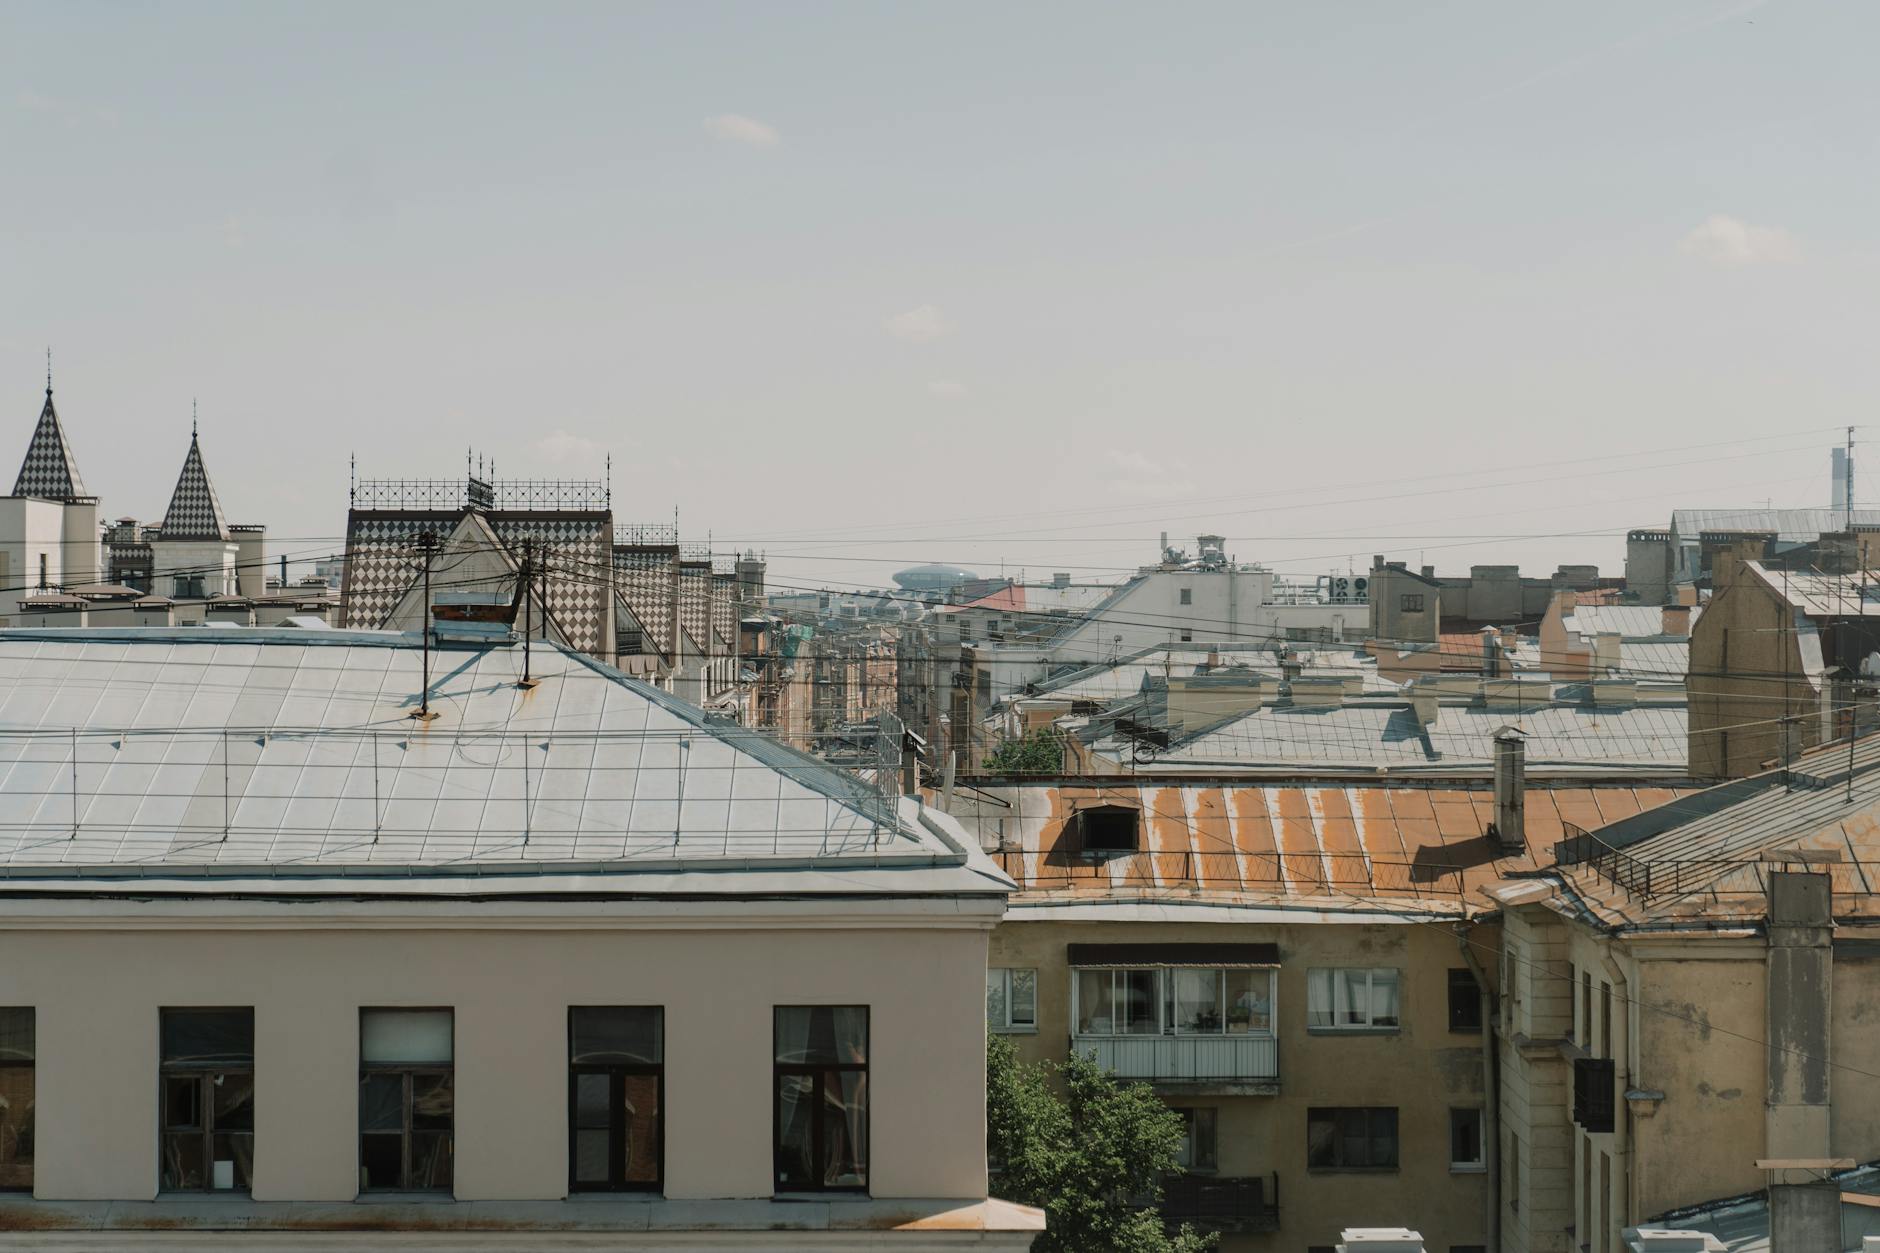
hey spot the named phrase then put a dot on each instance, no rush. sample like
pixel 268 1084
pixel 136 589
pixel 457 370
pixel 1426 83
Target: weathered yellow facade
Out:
pixel 1422 1069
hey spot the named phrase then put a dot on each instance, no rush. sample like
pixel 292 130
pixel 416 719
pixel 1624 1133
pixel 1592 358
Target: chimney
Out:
pixel 1511 790
pixel 1425 703
pixel 1605 653
pixel 1491 652
pixel 1318 692
pixel 1429 572
pixel 1687 594
pixel 1677 620
pixel 1843 470
pixel 1061 579
pixel 1566 600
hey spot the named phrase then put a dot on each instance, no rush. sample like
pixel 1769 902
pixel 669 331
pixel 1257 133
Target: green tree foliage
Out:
pixel 1088 1159
pixel 1035 752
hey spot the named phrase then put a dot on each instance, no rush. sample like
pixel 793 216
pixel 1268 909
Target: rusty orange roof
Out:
pixel 1398 847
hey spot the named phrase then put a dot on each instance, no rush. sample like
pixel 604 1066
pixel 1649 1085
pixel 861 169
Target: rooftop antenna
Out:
pixel 1847 470
pixel 48 369
pixel 352 478
pixel 192 417
pixel 610 480
pixel 427 545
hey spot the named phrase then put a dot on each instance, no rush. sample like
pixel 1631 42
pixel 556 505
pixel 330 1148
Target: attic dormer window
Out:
pixel 1108 829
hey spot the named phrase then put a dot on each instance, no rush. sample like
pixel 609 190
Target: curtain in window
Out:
pixel 812 1034
pixel 1249 1007
pixel 1383 1001
pixel 1197 1002
pixel 1024 994
pixel 1139 1000
pixel 1095 1012
pixel 1352 1002
pixel 845 1129
pixel 1319 999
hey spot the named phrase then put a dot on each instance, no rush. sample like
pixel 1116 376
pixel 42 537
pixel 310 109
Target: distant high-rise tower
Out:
pixel 1843 462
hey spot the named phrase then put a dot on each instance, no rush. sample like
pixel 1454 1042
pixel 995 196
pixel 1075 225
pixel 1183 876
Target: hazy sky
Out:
pixel 869 285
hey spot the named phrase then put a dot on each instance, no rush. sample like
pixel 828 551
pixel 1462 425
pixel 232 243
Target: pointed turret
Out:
pixel 194 512
pixel 49 472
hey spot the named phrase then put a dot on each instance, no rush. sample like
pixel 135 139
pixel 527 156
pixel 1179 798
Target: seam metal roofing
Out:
pixel 176 751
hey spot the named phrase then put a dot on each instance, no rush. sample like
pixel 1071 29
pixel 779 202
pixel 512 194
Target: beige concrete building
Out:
pixel 1688 994
pixel 1780 661
pixel 296 936
pixel 1305 970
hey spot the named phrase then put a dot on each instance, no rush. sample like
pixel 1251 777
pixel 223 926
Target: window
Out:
pixel 1187 596
pixel 1188 636
pixel 1108 828
pixel 208 1091
pixel 1605 1019
pixel 1351 1139
pixel 629 641
pixel 1410 602
pixel 1011 999
pixel 1465 1139
pixel 616 1094
pixel 1586 1007
pixel 44 578
pixel 1511 1172
pixel 822 1098
pixel 189 586
pixel 18 1050
pixel 1592 1093
pixel 407 1099
pixel 1351 1000
pixel 1180 1001
pixel 1465 1001
pixel 1197 1150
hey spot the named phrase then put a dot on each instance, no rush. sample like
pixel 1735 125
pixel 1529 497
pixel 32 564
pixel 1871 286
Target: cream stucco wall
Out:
pixel 98 993
pixel 1423 1070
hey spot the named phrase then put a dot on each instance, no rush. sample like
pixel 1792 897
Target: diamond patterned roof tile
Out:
pixel 49 472
pixel 194 511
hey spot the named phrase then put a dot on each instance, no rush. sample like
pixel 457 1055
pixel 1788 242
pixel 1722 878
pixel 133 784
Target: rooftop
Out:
pixel 1361 848
pixel 142 754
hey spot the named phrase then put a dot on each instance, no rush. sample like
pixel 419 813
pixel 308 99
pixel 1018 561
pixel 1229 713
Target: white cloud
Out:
pixel 918 326
pixel 738 129
pixel 1143 476
pixel 562 448
pixel 1727 241
pixel 947 389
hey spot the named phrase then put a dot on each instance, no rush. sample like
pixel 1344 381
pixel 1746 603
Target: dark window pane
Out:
pixel 845 1129
pixel 234 1102
pixel 796 1138
pixel 640 1123
pixel 16 1126
pixel 617 1034
pixel 590 1156
pixel 432 1102
pixel 182 1103
pixel 593 1100
pixel 380 1160
pixel 1321 1139
pixel 822 1035
pixel 234 1163
pixel 16 1035
pixel 209 1037
pixel 430 1159
pixel 182 1160
pixel 1383 1138
pixel 382 1102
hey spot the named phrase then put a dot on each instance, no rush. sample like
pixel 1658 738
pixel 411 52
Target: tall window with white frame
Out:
pixel 1353 999
pixel 18 1057
pixel 407 1099
pixel 821 1090
pixel 208 1088
pixel 1011 999
pixel 616 1093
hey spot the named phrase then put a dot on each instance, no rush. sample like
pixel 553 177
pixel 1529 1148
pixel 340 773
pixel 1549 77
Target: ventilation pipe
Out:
pixel 1511 790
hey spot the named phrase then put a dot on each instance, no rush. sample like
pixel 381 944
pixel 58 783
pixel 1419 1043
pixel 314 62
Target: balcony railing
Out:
pixel 1216 1203
pixel 1213 1059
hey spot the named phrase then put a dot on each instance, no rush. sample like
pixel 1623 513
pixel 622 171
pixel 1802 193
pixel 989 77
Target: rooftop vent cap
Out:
pixel 1380 1240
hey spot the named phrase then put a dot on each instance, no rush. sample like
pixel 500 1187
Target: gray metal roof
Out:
pixel 1373 736
pixel 262 750
pixel 1790 525
pixel 1634 622
pixel 1854 595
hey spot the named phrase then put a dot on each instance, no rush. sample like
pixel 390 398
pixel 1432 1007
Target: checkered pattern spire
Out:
pixel 194 511
pixel 49 471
